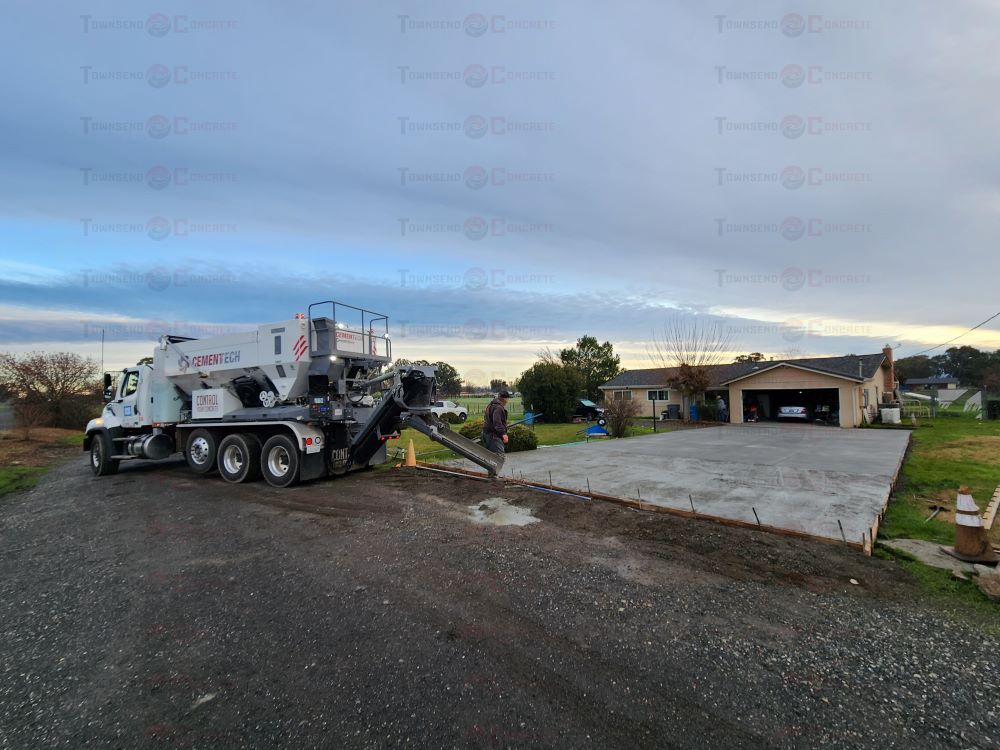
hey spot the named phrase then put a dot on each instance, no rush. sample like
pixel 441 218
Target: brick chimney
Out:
pixel 889 373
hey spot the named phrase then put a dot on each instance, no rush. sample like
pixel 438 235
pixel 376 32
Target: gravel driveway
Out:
pixel 159 609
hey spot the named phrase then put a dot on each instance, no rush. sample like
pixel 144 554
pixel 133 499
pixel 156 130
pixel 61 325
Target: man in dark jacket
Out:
pixel 495 423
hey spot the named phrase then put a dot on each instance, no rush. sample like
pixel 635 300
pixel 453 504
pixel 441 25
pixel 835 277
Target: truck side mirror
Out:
pixel 108 390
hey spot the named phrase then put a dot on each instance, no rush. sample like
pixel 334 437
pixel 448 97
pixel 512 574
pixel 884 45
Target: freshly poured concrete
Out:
pixel 798 477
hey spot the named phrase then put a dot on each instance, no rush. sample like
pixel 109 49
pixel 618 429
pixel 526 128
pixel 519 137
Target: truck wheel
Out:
pixel 239 458
pixel 463 416
pixel 101 462
pixel 279 461
pixel 202 450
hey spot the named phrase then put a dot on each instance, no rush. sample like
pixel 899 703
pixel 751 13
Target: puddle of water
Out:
pixel 499 512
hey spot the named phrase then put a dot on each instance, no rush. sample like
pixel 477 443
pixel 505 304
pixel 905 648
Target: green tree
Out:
pixel 751 357
pixel 550 388
pixel 596 363
pixel 449 382
pixel 497 385
pixel 920 366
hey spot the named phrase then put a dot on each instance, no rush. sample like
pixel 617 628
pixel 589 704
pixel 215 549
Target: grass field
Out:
pixel 477 406
pixel 944 453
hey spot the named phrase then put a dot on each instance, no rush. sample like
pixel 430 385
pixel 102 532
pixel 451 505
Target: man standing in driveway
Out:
pixel 495 423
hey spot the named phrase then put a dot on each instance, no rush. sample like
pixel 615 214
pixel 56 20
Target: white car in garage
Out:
pixel 440 408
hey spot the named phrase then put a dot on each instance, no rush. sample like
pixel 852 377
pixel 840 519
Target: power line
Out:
pixel 980 325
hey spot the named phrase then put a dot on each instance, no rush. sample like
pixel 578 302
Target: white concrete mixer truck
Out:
pixel 305 398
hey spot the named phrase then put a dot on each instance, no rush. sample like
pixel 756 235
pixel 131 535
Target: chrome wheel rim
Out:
pixel 199 450
pixel 278 461
pixel 95 455
pixel 233 459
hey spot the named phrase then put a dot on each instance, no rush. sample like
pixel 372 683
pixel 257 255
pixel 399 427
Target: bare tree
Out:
pixel 57 381
pixel 693 345
pixel 28 415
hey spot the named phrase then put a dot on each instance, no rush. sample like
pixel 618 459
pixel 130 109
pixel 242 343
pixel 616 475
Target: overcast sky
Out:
pixel 500 178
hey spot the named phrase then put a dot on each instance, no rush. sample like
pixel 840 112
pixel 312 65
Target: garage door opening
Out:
pixel 814 406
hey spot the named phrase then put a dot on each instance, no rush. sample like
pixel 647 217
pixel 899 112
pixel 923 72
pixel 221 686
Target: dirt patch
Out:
pixel 985 449
pixel 44 447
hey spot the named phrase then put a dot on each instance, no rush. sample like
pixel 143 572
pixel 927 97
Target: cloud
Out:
pixel 498 182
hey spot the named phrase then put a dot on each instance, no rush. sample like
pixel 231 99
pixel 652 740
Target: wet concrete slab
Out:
pixel 798 477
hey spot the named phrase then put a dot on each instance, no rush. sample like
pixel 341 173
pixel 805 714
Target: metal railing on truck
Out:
pixel 373 334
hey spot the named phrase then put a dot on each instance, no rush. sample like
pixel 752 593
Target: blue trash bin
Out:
pixel 694 412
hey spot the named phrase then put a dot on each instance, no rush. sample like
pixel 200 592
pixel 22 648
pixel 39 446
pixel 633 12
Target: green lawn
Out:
pixel 944 453
pixel 14 478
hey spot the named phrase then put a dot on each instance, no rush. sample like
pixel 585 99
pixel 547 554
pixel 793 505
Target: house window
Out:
pixel 866 398
pixel 658 395
pixel 623 395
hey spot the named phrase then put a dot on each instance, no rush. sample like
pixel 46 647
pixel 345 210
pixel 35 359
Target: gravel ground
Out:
pixel 159 609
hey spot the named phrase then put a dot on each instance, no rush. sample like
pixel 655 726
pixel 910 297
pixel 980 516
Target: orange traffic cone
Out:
pixel 971 542
pixel 411 455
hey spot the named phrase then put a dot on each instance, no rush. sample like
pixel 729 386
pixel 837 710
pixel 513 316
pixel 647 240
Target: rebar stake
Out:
pixel 756 516
pixel 842 534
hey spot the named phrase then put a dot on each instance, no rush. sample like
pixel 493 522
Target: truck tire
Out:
pixel 279 461
pixel 101 451
pixel 463 416
pixel 202 450
pixel 239 458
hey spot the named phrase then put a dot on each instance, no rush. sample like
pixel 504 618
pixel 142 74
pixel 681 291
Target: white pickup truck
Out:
pixel 440 408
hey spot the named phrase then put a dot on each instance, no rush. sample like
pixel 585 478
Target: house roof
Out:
pixel 841 367
pixel 929 381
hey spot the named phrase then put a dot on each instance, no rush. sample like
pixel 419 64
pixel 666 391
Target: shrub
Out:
pixel 708 411
pixel 519 437
pixel 451 418
pixel 619 414
pixel 472 429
